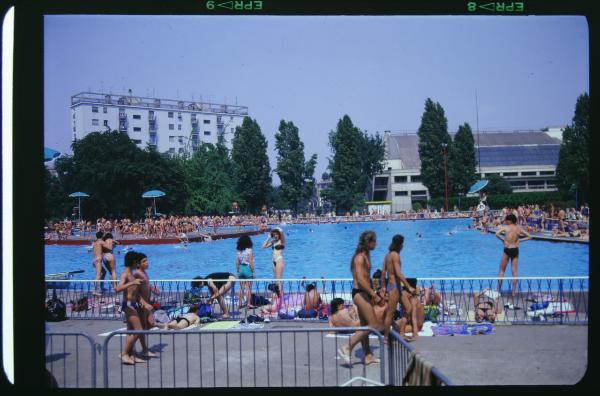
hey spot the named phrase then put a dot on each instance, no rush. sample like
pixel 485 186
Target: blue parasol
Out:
pixel 79 195
pixel 478 186
pixel 153 194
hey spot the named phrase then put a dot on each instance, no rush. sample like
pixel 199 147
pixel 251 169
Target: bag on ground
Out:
pixel 56 310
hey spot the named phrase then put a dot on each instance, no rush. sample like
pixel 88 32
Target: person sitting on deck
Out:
pixel 276 300
pixel 221 285
pixel 486 305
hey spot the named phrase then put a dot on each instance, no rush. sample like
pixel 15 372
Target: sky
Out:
pixel 525 71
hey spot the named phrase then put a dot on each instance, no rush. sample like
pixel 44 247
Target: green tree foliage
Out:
pixel 432 133
pixel 56 203
pixel 276 199
pixel 291 166
pixel 209 180
pixel 461 161
pixel 357 157
pixel 497 185
pixel 115 173
pixel 573 161
pixel 251 165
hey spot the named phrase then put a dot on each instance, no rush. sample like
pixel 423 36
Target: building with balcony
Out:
pixel 526 159
pixel 173 126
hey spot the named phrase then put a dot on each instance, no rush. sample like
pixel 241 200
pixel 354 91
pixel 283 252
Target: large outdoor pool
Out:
pixel 325 250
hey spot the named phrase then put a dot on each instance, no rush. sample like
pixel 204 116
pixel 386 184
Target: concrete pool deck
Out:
pixel 512 355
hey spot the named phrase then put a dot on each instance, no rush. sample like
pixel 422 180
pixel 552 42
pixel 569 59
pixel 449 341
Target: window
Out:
pixel 73 129
pixel 105 123
pixel 172 150
pixel 179 116
pixel 380 195
pixel 381 182
pixel 171 127
pixel 231 118
pixel 492 174
pixel 416 179
pixel 206 133
pixel 181 150
pixel 400 179
pixel 179 127
pixel 232 130
pixel 418 192
pixel 400 193
pixel 171 139
pixel 528 173
pixel 137 129
pixel 94 109
pixel 180 139
pixel 104 109
pixel 546 173
pixel 137 117
pixel 170 114
pixel 510 174
pixel 536 183
pixel 207 121
pixel 136 141
pixel 95 121
pixel 73 115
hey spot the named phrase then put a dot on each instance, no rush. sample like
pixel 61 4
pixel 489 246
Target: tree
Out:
pixel 251 165
pixel 461 161
pixel 115 173
pixel 432 133
pixel 209 181
pixel 573 160
pixel 292 169
pixel 357 157
pixel 56 202
pixel 497 185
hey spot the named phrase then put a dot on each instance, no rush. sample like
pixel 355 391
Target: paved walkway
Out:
pixel 513 355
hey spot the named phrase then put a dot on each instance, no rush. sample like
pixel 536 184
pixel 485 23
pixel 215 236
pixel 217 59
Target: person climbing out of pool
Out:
pixel 244 265
pixel 276 242
pixel 363 296
pixel 132 306
pixel 109 257
pixel 393 279
pixel 511 250
pixel 181 322
pixel 218 284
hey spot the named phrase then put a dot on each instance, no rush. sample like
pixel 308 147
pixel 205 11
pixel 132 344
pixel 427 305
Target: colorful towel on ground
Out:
pixel 462 329
pixel 223 325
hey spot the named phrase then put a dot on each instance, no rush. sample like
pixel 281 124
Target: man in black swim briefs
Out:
pixel 511 232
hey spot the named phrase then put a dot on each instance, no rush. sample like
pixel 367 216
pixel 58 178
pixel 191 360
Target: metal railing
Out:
pixel 554 300
pixel 67 361
pixel 399 356
pixel 290 357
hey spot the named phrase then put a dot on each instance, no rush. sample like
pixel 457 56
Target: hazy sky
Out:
pixel 527 70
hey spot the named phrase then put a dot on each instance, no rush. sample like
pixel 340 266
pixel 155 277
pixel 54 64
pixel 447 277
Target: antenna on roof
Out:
pixel 478 147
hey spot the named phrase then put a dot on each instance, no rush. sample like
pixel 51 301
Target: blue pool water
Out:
pixel 327 249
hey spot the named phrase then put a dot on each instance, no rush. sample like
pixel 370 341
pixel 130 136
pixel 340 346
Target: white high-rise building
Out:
pixel 173 126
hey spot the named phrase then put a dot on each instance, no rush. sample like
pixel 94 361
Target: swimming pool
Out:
pixel 325 250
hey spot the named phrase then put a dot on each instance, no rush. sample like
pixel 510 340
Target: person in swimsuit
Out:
pixel 146 291
pixel 391 271
pixel 244 265
pixel 363 296
pixel 181 322
pixel 511 249
pixel 108 256
pixel 276 300
pixel 276 242
pixel 131 306
pixel 486 307
pixel 98 261
pixel 217 288
pixel 341 316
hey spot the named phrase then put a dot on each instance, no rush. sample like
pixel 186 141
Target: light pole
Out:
pixel 445 152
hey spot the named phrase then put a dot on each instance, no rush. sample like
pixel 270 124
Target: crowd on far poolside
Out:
pixel 547 221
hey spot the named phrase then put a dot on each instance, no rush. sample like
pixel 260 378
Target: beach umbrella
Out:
pixel 79 195
pixel 153 194
pixel 478 186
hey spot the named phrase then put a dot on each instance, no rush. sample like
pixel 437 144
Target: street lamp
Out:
pixel 445 152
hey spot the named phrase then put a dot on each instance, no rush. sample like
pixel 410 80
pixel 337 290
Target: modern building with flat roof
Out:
pixel 526 159
pixel 174 126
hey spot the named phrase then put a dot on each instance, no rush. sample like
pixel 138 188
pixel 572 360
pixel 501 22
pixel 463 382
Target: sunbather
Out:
pixel 181 322
pixel 486 306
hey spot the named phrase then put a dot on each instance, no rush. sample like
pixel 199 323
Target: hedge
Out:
pixel 503 200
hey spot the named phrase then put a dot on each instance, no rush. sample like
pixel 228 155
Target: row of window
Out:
pixel 527 173
pixel 413 193
pixel 170 114
pixel 404 179
pixel 95 110
pixel 96 122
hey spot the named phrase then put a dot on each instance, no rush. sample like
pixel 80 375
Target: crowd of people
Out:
pixel 548 221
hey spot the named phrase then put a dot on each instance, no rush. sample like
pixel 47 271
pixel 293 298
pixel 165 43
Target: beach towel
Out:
pixel 462 329
pixel 222 325
pixel 419 372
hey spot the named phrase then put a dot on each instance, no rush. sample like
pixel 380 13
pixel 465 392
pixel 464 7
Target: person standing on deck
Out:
pixel 511 249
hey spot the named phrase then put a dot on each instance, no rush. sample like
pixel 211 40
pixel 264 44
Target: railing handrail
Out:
pixel 93 345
